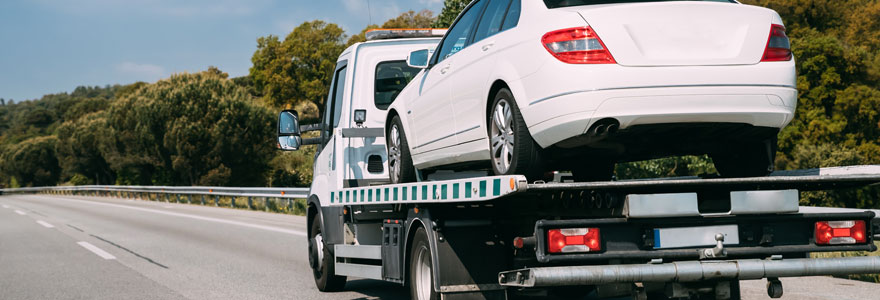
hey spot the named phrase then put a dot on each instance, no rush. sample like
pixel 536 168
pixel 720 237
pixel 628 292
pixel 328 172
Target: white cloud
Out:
pixel 145 71
pixel 431 2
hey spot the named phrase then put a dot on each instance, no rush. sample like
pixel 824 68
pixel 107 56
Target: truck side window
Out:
pixel 456 38
pixel 512 17
pixel 391 78
pixel 333 108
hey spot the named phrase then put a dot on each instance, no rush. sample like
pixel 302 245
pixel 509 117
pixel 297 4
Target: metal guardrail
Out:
pixel 142 192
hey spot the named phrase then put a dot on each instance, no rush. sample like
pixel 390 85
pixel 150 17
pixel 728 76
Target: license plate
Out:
pixel 683 237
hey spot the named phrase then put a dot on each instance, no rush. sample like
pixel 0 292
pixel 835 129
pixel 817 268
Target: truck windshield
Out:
pixel 566 3
pixel 391 78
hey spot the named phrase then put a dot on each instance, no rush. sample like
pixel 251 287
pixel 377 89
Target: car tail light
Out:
pixel 840 232
pixel 570 240
pixel 778 45
pixel 578 45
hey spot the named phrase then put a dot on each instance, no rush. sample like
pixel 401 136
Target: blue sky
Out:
pixel 51 46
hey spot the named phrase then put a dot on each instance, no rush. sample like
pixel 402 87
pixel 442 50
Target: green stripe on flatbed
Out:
pixel 496 187
pixel 482 188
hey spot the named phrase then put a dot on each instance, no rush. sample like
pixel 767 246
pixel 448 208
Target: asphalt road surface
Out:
pixel 67 247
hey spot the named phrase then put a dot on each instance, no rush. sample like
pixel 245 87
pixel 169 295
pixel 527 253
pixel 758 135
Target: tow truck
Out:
pixel 467 235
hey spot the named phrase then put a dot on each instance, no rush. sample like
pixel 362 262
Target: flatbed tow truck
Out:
pixel 492 237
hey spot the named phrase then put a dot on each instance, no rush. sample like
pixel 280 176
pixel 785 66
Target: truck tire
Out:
pixel 400 165
pixel 321 261
pixel 511 147
pixel 747 160
pixel 421 269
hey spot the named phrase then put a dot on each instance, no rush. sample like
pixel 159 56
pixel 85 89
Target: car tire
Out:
pixel 421 269
pixel 511 147
pixel 400 165
pixel 747 160
pixel 322 265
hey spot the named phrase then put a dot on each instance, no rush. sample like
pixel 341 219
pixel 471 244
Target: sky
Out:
pixel 52 46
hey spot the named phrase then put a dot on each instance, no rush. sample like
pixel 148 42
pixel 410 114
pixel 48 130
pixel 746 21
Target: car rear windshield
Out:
pixel 566 3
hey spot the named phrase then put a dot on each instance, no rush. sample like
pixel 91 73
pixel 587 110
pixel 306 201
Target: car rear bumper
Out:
pixel 760 106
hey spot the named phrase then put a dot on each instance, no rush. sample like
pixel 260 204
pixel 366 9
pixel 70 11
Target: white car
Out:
pixel 527 86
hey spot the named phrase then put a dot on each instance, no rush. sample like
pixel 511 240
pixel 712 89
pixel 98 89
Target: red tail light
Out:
pixel 840 232
pixel 778 45
pixel 570 240
pixel 578 45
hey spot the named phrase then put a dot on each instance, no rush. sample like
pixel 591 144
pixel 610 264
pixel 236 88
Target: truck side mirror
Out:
pixel 288 131
pixel 418 59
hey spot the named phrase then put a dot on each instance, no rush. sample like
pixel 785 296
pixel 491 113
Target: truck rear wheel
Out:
pixel 321 261
pixel 512 149
pixel 421 269
pixel 400 165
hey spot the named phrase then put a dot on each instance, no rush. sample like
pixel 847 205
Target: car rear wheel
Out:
pixel 321 261
pixel 400 166
pixel 513 151
pixel 747 159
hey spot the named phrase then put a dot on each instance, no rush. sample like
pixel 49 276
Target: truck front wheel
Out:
pixel 421 269
pixel 321 261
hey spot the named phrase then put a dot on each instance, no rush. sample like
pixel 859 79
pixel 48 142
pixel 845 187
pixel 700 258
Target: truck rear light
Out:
pixel 571 240
pixel 578 45
pixel 840 232
pixel 778 46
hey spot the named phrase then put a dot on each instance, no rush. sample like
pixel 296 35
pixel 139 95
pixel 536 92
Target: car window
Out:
pixel 490 23
pixel 566 3
pixel 391 78
pixel 456 37
pixel 512 17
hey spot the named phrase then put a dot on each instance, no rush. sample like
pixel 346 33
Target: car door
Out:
pixel 470 84
pixel 432 114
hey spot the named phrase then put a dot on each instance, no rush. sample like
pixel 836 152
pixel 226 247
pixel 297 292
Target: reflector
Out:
pixel 840 232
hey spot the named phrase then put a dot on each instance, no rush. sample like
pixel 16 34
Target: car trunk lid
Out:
pixel 680 33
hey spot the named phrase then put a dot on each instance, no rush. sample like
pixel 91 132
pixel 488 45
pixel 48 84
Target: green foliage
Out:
pixel 665 167
pixel 79 179
pixel 450 11
pixel 191 129
pixel 299 68
pixel 32 162
pixel 409 19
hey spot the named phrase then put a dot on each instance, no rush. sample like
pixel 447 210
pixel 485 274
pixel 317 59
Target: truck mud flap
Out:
pixel 688 271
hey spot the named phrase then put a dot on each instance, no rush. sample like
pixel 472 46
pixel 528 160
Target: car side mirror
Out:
pixel 418 59
pixel 289 138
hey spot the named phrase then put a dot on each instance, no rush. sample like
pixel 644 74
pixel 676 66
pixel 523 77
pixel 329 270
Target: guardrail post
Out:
pixel 266 203
pixel 289 205
pixel 217 200
pixel 250 203
pixel 203 199
pixel 189 199
pixel 166 198
pixel 232 202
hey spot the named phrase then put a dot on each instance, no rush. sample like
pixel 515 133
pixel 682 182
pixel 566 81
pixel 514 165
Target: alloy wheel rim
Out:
pixel 501 136
pixel 394 153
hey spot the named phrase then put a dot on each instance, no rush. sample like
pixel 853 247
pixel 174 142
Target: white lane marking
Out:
pixel 20 212
pixel 168 206
pixel 103 254
pixel 195 217
pixel 45 224
pixel 5 206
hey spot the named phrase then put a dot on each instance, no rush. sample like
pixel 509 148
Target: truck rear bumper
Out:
pixel 688 271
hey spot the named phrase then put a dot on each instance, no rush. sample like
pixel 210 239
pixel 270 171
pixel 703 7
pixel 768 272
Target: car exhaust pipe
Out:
pixel 689 271
pixel 603 128
pixel 612 129
pixel 599 130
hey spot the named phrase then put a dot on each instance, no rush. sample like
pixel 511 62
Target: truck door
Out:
pixel 328 160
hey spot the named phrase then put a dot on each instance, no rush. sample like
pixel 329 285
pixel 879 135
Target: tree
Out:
pixel 189 129
pixel 450 11
pixel 299 68
pixel 32 162
pixel 78 149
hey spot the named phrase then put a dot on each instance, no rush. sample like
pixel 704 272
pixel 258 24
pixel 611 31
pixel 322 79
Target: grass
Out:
pixel 863 277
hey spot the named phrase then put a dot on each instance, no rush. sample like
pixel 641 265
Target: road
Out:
pixel 69 247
